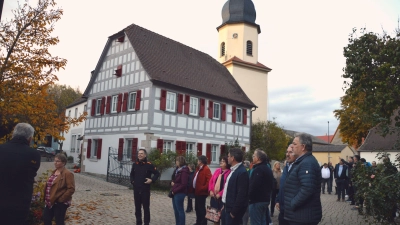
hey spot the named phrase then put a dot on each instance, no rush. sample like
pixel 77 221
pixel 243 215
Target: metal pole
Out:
pixel 1 7
pixel 329 154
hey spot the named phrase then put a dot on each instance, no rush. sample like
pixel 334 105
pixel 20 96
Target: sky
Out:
pixel 302 41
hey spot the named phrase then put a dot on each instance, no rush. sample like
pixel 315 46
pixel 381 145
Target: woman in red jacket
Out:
pixel 200 184
pixel 217 183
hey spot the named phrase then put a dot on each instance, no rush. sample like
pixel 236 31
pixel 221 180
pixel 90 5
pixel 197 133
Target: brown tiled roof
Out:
pixel 257 65
pixel 169 62
pixel 376 142
pixel 328 148
pixel 325 138
pixel 315 140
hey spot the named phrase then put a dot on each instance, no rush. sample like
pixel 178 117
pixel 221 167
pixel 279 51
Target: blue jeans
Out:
pixel 177 203
pixel 257 212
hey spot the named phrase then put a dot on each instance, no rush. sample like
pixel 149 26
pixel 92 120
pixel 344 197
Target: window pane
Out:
pixel 171 101
pixel 216 111
pixel 239 115
pixel 214 153
pixel 194 106
pixel 132 100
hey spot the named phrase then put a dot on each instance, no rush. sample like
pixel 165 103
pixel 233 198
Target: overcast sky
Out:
pixel 302 41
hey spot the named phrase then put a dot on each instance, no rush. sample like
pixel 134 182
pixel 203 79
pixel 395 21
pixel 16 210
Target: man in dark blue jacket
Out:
pixel 303 185
pixel 19 164
pixel 260 188
pixel 280 203
pixel 235 197
pixel 340 179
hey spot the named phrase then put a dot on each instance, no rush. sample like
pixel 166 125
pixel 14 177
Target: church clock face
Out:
pixel 235 35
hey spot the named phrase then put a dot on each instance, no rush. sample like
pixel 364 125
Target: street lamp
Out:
pixel 329 154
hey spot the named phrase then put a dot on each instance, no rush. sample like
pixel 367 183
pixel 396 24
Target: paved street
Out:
pixel 97 202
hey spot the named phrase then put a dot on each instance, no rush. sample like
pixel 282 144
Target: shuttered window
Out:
pixel 249 48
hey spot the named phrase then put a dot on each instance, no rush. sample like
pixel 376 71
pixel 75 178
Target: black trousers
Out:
pixel 273 198
pixel 281 218
pixel 142 198
pixel 340 183
pixel 13 217
pixel 324 182
pixel 58 212
pixel 200 207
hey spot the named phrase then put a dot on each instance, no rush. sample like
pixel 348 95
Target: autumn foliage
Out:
pixel 27 71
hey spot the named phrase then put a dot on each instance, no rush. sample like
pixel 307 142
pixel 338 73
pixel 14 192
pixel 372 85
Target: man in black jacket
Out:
pixel 303 185
pixel 18 167
pixel 260 188
pixel 235 197
pixel 349 185
pixel 340 179
pixel 141 179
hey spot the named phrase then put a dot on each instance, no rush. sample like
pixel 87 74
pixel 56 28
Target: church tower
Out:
pixel 238 52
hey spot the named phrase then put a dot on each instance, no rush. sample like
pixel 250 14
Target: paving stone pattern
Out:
pixel 96 201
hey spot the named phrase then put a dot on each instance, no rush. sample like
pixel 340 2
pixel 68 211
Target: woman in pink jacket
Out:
pixel 217 183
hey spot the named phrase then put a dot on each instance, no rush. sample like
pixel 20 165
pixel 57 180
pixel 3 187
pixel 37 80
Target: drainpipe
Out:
pixel 251 122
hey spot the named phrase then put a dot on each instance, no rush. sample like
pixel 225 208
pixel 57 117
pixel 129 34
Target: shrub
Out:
pixel 37 203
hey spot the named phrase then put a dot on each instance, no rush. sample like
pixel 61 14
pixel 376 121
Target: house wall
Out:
pixel 322 157
pixel 70 146
pixel 371 156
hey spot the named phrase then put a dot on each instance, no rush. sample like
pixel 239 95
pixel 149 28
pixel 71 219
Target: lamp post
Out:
pixel 329 154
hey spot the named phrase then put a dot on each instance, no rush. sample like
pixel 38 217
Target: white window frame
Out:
pixel 190 148
pixel 77 143
pixel 239 115
pixel 94 148
pixel 167 146
pixel 69 113
pixel 76 113
pixel 85 108
pixel 114 103
pixel 214 153
pixel 128 149
pixel 194 106
pixel 216 114
pixel 98 106
pixel 132 101
pixel 170 102
pixel 73 142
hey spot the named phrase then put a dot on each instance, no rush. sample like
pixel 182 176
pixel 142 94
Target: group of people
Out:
pixel 237 190
pixel 18 167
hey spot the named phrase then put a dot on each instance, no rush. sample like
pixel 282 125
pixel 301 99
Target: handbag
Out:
pixel 170 194
pixel 213 214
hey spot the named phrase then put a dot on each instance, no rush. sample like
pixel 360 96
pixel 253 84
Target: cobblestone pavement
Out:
pixel 98 202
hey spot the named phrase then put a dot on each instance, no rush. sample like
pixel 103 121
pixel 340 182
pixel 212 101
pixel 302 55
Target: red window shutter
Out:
pixel 199 149
pixel 120 149
pixel 202 107
pixel 183 147
pixel 103 101
pixel 223 113
pixel 208 153
pixel 222 148
pixel 119 103
pixel 160 145
pixel 233 114
pixel 210 109
pixel 121 39
pixel 180 147
pixel 118 71
pixel 89 148
pixel 187 104
pixel 125 102
pixel 134 149
pixel 108 105
pixel 138 98
pixel 99 143
pixel 93 109
pixel 180 103
pixel 163 100
pixel 244 149
pixel 245 116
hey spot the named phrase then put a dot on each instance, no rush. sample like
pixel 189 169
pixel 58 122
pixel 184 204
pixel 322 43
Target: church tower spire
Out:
pixel 238 52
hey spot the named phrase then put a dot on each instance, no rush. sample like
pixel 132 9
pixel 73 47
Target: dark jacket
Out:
pixel 343 175
pixel 302 191
pixel 279 198
pixel 350 166
pixel 237 192
pixel 180 180
pixel 261 180
pixel 203 177
pixel 140 171
pixel 18 166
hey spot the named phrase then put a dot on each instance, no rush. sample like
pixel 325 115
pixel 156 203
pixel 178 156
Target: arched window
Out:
pixel 249 49
pixel 222 49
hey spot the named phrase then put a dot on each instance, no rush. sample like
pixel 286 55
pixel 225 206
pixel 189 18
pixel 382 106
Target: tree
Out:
pixel 373 73
pixel 269 137
pixel 27 68
pixel 162 161
pixel 353 123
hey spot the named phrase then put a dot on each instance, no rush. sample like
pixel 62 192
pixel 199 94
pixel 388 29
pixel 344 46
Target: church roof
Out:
pixel 172 64
pixel 239 11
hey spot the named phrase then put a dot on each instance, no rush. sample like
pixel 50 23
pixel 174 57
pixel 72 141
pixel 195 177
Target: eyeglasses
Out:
pixel 57 161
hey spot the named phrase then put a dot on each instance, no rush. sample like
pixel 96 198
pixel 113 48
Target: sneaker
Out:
pixel 346 196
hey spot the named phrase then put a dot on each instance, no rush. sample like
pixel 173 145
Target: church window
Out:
pixel 249 49
pixel 222 49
